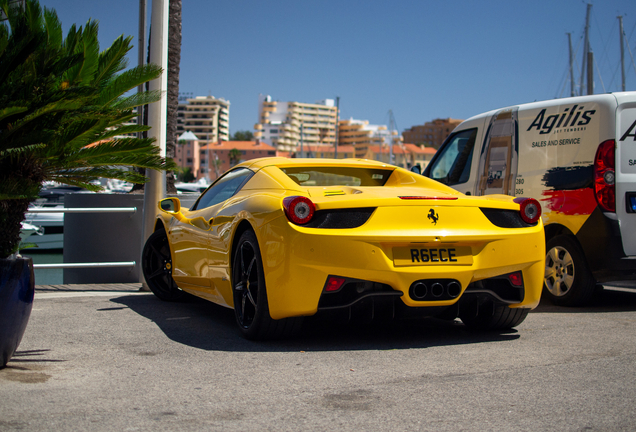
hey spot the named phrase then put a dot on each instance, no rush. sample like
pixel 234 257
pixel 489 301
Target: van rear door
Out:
pixel 626 170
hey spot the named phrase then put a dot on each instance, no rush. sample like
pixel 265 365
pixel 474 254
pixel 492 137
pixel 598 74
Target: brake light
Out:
pixel 529 209
pixel 334 283
pixel 604 188
pixel 427 198
pixel 516 279
pixel 299 209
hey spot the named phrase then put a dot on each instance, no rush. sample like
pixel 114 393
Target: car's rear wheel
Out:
pixel 156 263
pixel 251 306
pixel 568 281
pixel 491 316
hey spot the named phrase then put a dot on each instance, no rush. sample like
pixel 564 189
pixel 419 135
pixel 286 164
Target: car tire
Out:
pixel 568 281
pixel 156 264
pixel 251 307
pixel 491 316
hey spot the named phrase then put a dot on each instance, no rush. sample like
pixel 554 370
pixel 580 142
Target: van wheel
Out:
pixel 568 281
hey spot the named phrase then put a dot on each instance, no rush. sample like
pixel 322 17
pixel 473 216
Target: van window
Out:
pixel 452 163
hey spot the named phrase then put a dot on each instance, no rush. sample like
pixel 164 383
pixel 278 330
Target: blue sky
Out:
pixel 421 59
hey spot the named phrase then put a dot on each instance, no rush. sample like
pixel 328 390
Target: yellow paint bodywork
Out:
pixel 297 260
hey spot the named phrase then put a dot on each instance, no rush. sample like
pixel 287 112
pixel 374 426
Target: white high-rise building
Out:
pixel 287 125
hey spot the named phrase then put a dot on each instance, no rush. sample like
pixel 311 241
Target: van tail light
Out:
pixel 299 209
pixel 604 176
pixel 529 209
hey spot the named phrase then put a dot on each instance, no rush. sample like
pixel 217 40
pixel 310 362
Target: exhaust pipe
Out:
pixel 437 289
pixel 453 289
pixel 420 290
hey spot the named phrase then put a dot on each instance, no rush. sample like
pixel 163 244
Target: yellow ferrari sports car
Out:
pixel 280 239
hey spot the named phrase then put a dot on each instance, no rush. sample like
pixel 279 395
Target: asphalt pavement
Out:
pixel 113 358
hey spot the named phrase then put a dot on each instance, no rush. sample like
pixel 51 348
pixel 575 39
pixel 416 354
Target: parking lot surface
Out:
pixel 113 358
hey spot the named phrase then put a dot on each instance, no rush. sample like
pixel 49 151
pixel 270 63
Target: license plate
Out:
pixel 425 255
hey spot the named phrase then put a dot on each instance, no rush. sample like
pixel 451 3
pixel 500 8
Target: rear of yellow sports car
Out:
pixel 404 246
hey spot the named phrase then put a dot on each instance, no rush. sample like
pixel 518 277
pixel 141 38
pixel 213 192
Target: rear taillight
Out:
pixel 334 283
pixel 604 173
pixel 299 209
pixel 529 209
pixel 516 279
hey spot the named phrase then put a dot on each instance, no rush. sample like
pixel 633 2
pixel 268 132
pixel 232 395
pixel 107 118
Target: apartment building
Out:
pixel 285 125
pixel 404 155
pixel 210 160
pixel 362 135
pixel 205 116
pixel 223 155
pixel 431 134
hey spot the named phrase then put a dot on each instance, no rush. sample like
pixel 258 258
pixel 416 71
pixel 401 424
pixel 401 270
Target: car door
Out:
pixel 217 235
pixel 190 246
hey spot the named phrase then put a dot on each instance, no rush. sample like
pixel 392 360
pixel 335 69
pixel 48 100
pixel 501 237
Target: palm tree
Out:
pixel 63 111
pixel 235 156
pixel 174 60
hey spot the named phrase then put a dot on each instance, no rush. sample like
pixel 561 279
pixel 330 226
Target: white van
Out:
pixel 577 156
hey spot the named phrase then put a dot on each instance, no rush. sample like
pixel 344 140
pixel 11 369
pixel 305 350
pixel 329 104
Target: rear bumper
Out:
pixel 298 261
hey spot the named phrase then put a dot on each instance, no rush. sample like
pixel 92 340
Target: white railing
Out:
pixel 85 210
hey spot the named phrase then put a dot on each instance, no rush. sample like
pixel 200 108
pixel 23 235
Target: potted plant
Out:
pixel 63 111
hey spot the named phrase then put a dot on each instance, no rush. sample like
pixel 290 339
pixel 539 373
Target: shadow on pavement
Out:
pixel 603 301
pixel 204 325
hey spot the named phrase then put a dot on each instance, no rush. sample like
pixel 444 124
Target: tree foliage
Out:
pixel 63 109
pixel 242 136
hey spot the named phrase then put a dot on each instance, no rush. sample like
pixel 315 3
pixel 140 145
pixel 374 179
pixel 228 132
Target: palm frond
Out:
pixel 15 151
pixel 110 60
pixel 127 81
pixel 138 99
pixel 7 112
pixel 122 130
pixel 90 47
pixel 53 28
pixel 58 106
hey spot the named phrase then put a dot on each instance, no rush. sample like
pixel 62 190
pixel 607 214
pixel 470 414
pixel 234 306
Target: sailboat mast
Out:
pixel 620 25
pixel 572 89
pixel 586 47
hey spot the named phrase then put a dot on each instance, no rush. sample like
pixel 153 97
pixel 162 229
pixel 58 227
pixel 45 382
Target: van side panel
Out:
pixel 558 143
pixel 626 171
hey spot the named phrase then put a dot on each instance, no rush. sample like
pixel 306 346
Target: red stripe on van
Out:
pixel 570 202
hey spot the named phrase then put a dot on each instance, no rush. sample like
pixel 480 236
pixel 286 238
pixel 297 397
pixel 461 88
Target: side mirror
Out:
pixel 170 205
pixel 416 169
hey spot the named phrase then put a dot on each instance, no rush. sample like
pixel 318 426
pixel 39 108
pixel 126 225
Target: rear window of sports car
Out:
pixel 338 176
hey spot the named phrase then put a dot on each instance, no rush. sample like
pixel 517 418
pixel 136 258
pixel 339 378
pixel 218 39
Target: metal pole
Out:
pixel 586 46
pixel 571 65
pixel 620 23
pixel 302 150
pixel 155 188
pixel 590 73
pixel 141 51
pixel 335 155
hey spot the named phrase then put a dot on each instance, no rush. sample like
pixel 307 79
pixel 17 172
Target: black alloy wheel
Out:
pixel 156 263
pixel 251 307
